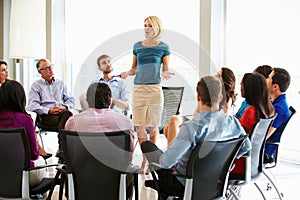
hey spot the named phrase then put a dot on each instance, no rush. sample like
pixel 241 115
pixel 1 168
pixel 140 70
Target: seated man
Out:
pixel 49 98
pixel 278 82
pixel 99 117
pixel 210 124
pixel 120 94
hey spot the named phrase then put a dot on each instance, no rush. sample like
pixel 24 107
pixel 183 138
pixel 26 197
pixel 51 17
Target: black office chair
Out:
pixel 172 102
pixel 15 166
pixel 254 159
pixel 275 157
pixel 277 143
pixel 97 164
pixel 43 129
pixel 207 169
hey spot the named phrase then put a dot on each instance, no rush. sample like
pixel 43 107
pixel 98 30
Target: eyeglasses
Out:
pixel 47 68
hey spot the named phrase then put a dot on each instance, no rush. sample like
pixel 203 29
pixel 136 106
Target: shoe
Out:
pixel 151 184
pixel 270 165
pixel 48 155
pixel 59 154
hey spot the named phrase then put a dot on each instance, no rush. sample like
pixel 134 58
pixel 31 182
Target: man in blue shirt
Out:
pixel 209 125
pixel 278 82
pixel 120 93
pixel 49 98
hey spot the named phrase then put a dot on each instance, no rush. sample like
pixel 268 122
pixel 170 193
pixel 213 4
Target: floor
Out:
pixel 286 175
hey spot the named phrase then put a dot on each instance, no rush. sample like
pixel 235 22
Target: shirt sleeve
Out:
pixel 31 135
pixel 166 50
pixel 280 118
pixel 67 99
pixel 124 94
pixel 180 145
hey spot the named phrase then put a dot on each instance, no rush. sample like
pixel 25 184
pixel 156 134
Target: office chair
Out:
pixel 275 157
pixel 15 167
pixel 43 129
pixel 207 169
pixel 96 163
pixel 253 162
pixel 277 143
pixel 172 102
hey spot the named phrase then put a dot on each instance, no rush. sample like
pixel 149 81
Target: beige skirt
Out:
pixel 147 105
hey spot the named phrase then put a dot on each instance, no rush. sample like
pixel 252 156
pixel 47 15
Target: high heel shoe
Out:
pixel 48 155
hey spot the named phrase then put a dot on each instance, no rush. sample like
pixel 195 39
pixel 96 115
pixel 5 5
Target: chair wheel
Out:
pixel 269 187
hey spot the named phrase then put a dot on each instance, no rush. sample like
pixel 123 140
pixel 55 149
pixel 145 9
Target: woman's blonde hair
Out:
pixel 156 25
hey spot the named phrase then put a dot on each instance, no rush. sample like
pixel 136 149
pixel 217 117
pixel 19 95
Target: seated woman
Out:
pixel 265 70
pixel 14 115
pixel 3 79
pixel 254 90
pixel 227 77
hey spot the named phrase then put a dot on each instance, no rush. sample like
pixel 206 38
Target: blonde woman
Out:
pixel 149 56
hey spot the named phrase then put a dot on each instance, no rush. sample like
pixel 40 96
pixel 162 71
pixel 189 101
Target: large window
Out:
pixel 112 27
pixel 267 32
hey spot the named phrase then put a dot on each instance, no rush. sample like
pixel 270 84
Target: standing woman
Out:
pixel 3 72
pixel 147 98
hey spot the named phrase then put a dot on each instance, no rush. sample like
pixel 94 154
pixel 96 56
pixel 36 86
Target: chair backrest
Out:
pixel 292 112
pixel 257 138
pixel 96 161
pixel 172 101
pixel 209 166
pixel 14 158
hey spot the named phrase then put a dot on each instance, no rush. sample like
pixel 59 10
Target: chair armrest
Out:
pixel 268 142
pixel 42 166
pixel 156 165
pixel 180 175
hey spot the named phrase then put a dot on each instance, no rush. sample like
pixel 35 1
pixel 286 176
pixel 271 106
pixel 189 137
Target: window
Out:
pixel 112 27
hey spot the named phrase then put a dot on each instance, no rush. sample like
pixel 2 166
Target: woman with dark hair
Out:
pixel 255 91
pixel 227 78
pixel 14 115
pixel 264 70
pixel 229 96
pixel 3 72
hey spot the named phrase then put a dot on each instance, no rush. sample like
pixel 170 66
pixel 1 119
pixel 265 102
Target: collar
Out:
pixel 280 98
pixel 114 78
pixel 45 81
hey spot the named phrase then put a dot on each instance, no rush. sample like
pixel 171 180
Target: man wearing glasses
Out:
pixel 48 97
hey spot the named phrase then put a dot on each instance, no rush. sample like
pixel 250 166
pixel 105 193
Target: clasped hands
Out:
pixel 57 109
